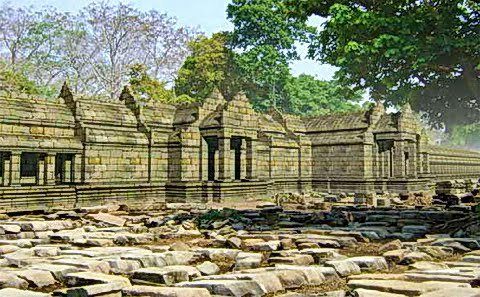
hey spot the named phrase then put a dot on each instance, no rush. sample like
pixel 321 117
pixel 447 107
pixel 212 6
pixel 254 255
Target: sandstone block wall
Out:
pixel 77 151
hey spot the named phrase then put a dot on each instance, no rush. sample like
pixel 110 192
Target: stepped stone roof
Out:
pixel 336 122
pixel 36 123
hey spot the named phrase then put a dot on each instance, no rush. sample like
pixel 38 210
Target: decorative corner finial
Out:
pixel 216 94
pixel 241 96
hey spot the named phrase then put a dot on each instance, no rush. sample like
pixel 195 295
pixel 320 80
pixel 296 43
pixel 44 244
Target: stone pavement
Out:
pixel 94 253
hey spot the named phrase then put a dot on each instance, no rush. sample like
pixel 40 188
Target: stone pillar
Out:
pixel 204 159
pixel 217 164
pixel 224 159
pixel 243 160
pixel 251 159
pixel 6 171
pixel 50 169
pixel 41 177
pixel 15 169
pixel 67 171
pixel 77 169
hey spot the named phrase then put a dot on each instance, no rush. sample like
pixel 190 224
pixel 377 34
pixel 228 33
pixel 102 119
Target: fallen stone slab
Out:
pixel 150 291
pixel 11 280
pixel 269 281
pixel 344 267
pixel 219 254
pixel 380 276
pixel 121 266
pixel 313 274
pixel 457 243
pixel 11 292
pixel 237 288
pixel 370 263
pixel 77 279
pixel 420 277
pixel 463 292
pixel 22 243
pixel 248 261
pixel 208 268
pixel 178 258
pixel 8 228
pixel 108 289
pixel 58 271
pixel 471 259
pixel 403 287
pixel 108 219
pixel 395 256
pixel 7 249
pixel 146 259
pixel 37 278
pixel 168 275
pixel 293 260
pixel 414 257
pixel 261 246
pixel 372 293
pixel 426 265
pixel 87 264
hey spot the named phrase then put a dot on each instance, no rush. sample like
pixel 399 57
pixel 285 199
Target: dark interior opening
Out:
pixel 406 162
pixel 212 144
pixel 29 164
pixel 2 164
pixel 236 145
pixel 63 174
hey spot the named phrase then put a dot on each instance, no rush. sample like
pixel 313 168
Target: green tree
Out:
pixel 309 96
pixel 210 65
pixel 146 88
pixel 425 52
pixel 466 136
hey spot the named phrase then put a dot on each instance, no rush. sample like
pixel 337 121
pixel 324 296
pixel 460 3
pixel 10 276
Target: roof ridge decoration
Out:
pixel 137 109
pixel 279 117
pixel 375 114
pixel 406 119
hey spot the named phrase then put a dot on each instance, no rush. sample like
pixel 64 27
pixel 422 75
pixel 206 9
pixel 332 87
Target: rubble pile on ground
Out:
pixel 110 252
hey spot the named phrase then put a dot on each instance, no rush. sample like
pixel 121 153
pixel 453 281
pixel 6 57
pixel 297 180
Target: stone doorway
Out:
pixel 212 147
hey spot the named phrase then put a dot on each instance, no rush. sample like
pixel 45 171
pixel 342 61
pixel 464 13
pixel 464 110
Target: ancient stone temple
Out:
pixel 77 151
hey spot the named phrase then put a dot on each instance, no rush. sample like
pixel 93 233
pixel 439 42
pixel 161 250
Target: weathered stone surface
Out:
pixel 464 292
pixel 10 280
pixel 150 291
pixel 92 278
pixel 372 293
pixel 404 287
pixel 10 292
pixel 344 267
pixel 108 219
pixel 248 261
pixel 370 263
pixel 293 260
pixel 37 278
pixel 208 268
pixel 168 275
pixel 227 287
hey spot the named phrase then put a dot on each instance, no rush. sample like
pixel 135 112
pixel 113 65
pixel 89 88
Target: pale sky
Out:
pixel 208 15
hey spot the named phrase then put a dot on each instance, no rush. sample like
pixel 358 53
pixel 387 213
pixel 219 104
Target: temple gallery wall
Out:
pixel 77 151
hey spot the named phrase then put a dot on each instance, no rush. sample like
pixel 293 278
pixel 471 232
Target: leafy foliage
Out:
pixel 466 136
pixel 309 96
pixel 425 52
pixel 94 48
pixel 15 81
pixel 210 65
pixel 147 88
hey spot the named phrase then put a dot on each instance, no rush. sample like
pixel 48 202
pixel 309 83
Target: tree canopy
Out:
pixel 213 64
pixel 92 49
pixel 424 52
